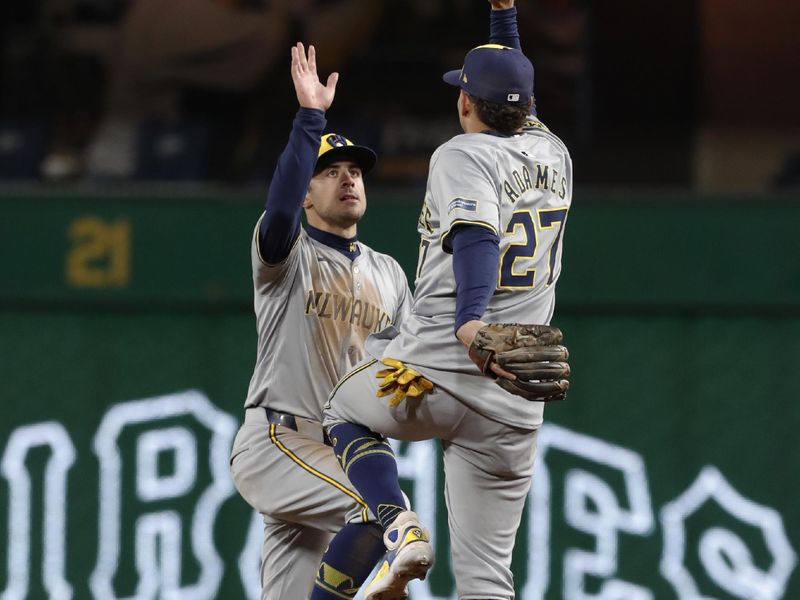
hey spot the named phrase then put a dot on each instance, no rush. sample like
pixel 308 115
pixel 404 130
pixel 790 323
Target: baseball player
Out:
pixel 318 293
pixel 491 228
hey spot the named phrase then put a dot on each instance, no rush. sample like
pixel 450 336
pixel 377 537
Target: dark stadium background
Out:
pixel 680 295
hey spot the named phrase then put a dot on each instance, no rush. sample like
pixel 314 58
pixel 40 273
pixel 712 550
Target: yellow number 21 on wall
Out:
pixel 99 252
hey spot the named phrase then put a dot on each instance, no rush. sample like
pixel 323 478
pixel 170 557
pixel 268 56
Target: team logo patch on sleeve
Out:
pixel 468 205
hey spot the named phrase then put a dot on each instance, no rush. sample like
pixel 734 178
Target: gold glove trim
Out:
pixel 401 381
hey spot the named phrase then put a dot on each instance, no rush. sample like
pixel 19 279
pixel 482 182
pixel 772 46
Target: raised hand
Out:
pixel 501 4
pixel 310 91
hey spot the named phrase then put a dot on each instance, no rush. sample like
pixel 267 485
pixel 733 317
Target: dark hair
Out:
pixel 505 118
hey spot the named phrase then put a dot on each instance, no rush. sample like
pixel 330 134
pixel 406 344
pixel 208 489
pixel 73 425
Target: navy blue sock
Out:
pixel 368 461
pixel 348 561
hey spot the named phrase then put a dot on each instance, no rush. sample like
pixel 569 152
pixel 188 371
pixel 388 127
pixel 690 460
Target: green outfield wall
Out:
pixel 127 343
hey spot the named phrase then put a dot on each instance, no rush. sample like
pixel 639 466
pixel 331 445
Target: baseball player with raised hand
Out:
pixel 318 293
pixel 476 359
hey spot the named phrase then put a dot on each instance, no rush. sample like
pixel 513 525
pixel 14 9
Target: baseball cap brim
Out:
pixel 453 77
pixel 364 157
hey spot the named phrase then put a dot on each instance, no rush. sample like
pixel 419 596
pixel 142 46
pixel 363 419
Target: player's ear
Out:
pixel 464 104
pixel 307 203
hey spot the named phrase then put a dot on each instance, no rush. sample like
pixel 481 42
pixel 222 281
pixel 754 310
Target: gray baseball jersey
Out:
pixel 520 187
pixel 314 311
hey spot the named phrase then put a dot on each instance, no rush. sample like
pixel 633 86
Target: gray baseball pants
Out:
pixel 488 467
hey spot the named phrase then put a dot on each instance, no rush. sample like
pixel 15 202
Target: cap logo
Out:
pixel 513 97
pixel 463 76
pixel 331 141
pixel 336 140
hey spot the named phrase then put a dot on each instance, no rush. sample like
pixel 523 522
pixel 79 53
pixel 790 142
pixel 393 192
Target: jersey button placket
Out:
pixel 356 282
pixel 352 351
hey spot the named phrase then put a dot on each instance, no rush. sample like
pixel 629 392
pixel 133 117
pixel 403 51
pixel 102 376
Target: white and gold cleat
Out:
pixel 409 556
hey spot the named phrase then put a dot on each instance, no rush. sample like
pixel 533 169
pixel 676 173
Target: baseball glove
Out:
pixel 531 352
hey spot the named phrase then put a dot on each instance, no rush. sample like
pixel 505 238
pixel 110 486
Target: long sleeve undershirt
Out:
pixel 503 28
pixel 280 225
pixel 476 254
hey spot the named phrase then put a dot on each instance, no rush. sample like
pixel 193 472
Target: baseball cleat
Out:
pixel 409 556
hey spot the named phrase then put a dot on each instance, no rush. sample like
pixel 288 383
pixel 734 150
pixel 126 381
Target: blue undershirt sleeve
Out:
pixel 476 254
pixel 503 28
pixel 280 225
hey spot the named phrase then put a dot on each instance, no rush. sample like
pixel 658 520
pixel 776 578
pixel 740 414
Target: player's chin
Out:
pixel 352 210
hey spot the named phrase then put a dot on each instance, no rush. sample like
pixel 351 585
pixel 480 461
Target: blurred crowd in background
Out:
pixel 697 94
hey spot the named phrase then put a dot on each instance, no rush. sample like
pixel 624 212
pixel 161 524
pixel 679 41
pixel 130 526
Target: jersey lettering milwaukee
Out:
pixel 328 305
pixel 332 304
pixel 519 187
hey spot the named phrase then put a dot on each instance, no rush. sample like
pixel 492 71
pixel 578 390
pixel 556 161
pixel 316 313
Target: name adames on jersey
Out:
pixel 547 178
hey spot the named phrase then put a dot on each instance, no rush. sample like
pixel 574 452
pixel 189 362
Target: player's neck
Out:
pixel 343 231
pixel 346 233
pixel 334 232
pixel 346 245
pixel 472 124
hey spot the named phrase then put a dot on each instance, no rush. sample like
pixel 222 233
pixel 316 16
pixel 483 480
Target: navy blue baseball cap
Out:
pixel 495 73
